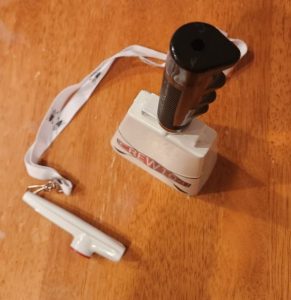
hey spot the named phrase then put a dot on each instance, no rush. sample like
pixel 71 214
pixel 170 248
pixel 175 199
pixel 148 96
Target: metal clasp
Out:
pixel 51 185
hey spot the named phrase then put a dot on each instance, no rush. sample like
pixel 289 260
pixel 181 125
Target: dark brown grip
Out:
pixel 169 100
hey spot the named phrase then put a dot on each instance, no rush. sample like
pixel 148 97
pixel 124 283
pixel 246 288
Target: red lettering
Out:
pixel 141 157
pixel 133 152
pixel 152 164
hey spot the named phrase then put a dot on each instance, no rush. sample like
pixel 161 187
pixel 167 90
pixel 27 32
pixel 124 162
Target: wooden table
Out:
pixel 233 241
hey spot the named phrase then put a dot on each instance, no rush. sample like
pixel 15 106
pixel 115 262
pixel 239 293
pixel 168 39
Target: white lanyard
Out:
pixel 64 107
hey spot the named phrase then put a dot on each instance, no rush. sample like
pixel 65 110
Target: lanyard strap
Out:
pixel 64 107
pixel 69 101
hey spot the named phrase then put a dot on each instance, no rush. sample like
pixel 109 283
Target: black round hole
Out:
pixel 197 45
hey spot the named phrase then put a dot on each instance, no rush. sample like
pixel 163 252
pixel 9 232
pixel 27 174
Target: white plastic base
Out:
pixel 183 160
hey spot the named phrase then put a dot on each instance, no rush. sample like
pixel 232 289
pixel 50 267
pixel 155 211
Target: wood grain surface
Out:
pixel 233 241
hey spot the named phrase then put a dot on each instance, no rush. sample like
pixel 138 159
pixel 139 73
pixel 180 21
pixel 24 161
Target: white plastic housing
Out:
pixel 87 239
pixel 182 160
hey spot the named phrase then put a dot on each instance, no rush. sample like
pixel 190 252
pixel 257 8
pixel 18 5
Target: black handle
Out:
pixel 197 56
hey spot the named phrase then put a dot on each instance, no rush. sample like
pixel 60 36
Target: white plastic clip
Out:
pixel 87 239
